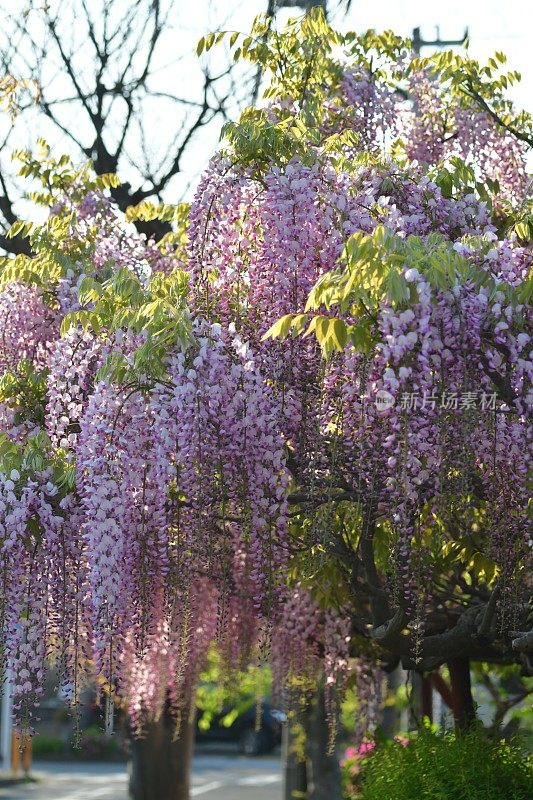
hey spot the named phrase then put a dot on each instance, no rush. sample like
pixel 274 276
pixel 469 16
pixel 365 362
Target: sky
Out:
pixel 493 25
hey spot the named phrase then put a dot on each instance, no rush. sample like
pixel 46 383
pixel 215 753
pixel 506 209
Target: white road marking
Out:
pixel 250 780
pixel 258 780
pixel 207 787
pixel 87 794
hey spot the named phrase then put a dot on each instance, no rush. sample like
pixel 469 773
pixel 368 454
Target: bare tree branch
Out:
pixel 106 86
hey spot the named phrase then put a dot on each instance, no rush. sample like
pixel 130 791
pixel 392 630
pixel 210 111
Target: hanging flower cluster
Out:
pixel 437 129
pixel 27 326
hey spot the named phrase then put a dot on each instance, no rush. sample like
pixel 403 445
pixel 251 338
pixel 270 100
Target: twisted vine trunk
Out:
pixel 160 768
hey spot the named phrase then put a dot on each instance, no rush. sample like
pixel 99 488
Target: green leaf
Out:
pixel 322 329
pixel 522 231
pixel 361 334
pixel 298 324
pixel 339 334
pixel 397 287
pixel 89 290
pixel 279 329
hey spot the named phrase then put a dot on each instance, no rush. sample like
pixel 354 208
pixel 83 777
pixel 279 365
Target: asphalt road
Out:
pixel 224 777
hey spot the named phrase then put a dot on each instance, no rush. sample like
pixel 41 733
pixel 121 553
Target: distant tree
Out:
pixel 109 76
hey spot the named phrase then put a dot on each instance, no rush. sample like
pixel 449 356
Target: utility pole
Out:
pixel 419 43
pixel 306 5
pixel 6 729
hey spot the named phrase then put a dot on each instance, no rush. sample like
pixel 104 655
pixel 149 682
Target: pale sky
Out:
pixel 493 25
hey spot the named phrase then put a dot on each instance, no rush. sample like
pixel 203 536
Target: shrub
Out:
pixel 447 766
pixel 354 762
pixel 47 746
pixel 94 744
pixel 352 766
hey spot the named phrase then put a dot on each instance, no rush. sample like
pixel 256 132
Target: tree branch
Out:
pixel 474 95
pixel 523 641
pixel 490 610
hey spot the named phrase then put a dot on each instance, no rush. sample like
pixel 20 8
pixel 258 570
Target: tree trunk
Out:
pixel 160 768
pixel 294 768
pixel 391 722
pixel 427 697
pixel 323 770
pixel 415 701
pixel 464 712
pixel 442 688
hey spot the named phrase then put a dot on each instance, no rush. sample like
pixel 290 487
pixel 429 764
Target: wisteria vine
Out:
pixel 228 489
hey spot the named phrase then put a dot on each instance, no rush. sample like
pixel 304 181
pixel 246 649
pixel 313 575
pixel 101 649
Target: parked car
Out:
pixel 242 730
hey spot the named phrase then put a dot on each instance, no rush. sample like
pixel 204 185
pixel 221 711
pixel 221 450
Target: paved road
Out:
pixel 224 777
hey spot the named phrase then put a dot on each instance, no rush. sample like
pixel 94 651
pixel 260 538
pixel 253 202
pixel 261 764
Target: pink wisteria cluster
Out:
pixel 429 125
pixel 203 497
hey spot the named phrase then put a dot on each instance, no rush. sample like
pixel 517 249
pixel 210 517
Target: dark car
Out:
pixel 242 731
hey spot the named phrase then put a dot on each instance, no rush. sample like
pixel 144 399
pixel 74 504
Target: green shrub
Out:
pixel 448 767
pixel 47 746
pixel 94 744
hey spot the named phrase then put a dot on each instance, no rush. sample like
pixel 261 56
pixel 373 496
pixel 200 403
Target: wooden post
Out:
pixel 427 697
pixel 391 715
